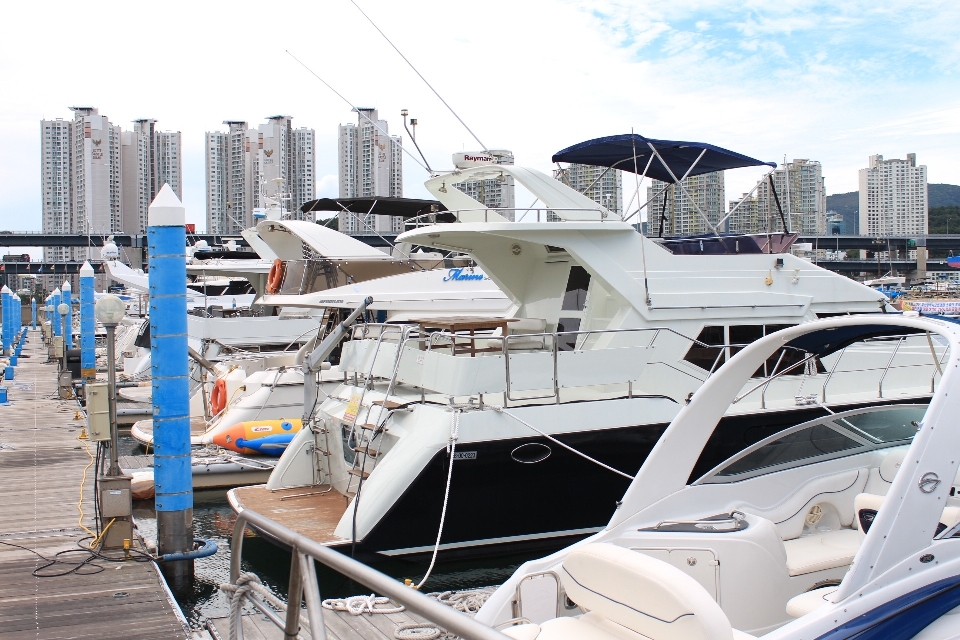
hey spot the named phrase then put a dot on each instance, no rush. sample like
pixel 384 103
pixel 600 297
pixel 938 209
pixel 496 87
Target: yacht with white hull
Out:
pixel 843 526
pixel 613 332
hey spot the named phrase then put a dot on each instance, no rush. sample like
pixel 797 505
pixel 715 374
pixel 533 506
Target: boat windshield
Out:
pixel 834 436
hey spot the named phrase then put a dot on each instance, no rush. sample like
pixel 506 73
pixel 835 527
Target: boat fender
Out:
pixel 218 399
pixel 275 278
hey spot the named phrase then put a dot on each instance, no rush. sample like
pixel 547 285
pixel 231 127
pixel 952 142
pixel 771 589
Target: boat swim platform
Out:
pixel 41 466
pixel 311 511
pixel 142 430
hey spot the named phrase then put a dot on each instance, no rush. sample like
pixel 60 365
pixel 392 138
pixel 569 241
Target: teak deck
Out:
pixel 340 626
pixel 41 466
pixel 310 511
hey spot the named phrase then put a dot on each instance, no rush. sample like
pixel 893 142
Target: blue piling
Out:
pixel 7 319
pixel 88 325
pixel 166 251
pixel 66 293
pixel 55 314
pixel 33 312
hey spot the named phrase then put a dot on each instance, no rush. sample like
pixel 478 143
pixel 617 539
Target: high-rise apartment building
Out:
pixel 893 197
pixel 601 185
pixel 370 163
pixel 150 159
pixel 496 193
pixel 56 166
pixel 244 166
pixel 673 210
pixel 802 199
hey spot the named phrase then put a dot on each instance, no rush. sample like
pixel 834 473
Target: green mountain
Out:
pixel 943 198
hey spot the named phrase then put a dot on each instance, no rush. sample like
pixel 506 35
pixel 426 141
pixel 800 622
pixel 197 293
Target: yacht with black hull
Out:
pixel 560 403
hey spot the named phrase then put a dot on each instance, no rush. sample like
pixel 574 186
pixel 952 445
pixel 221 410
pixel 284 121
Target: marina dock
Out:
pixel 42 467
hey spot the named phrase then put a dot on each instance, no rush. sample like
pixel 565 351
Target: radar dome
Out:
pixel 110 251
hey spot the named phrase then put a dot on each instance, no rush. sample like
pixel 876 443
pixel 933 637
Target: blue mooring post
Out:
pixel 66 293
pixel 88 325
pixel 33 313
pixel 166 252
pixel 7 327
pixel 55 315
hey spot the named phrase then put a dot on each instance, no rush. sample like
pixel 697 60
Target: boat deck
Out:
pixel 310 511
pixel 42 466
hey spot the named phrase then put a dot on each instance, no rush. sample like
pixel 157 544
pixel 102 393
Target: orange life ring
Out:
pixel 218 399
pixel 275 278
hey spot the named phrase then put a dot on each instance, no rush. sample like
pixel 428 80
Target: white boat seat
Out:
pixel 629 596
pixel 821 551
pixel 804 603
pixel 866 506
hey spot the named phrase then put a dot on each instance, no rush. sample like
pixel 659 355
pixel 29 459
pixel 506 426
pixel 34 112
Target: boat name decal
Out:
pixel 464 455
pixel 459 274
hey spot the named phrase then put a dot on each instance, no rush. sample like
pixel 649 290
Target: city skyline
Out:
pixel 873 79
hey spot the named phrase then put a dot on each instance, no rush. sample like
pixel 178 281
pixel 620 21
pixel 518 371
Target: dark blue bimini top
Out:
pixel 617 152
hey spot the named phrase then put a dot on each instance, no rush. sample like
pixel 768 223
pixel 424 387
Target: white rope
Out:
pixel 555 441
pixel 357 605
pixel 468 602
pixel 451 449
pixel 248 584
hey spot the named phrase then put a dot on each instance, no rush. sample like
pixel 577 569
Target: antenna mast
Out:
pixel 421 77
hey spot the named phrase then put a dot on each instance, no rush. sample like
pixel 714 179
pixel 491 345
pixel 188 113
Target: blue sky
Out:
pixel 834 82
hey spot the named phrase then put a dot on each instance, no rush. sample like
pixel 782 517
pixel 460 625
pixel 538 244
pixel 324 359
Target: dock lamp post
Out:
pixel 109 311
pixel 63 310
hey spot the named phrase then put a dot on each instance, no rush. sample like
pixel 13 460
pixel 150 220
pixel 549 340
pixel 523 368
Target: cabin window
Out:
pixel 702 353
pixel 574 301
pixel 575 297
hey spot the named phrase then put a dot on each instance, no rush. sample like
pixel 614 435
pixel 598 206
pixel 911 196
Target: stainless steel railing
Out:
pixel 303 585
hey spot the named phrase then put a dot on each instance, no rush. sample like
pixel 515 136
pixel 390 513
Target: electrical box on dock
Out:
pixel 98 412
pixel 116 508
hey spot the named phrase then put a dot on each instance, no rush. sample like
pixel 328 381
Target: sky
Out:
pixel 827 81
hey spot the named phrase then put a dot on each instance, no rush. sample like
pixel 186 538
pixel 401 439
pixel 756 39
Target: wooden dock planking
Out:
pixel 41 465
pixel 340 625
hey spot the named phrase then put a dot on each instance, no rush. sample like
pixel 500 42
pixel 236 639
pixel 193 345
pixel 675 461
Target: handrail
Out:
pixel 887 368
pixel 303 583
pixel 830 375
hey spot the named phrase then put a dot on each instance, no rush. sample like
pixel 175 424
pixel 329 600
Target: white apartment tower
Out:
pixel 602 185
pixel 893 197
pixel 150 159
pixel 671 211
pixel 746 217
pixel 244 166
pixel 802 199
pixel 496 193
pixel 56 141
pixel 99 180
pixel 370 164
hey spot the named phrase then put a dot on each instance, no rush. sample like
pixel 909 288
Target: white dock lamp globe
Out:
pixel 110 310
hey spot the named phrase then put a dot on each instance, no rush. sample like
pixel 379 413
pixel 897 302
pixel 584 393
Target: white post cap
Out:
pixel 86 271
pixel 66 286
pixel 6 290
pixel 55 292
pixel 166 210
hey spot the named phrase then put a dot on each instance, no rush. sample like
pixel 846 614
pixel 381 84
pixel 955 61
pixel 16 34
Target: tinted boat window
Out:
pixel 705 357
pixel 886 426
pixel 575 296
pixel 744 334
pixel 816 441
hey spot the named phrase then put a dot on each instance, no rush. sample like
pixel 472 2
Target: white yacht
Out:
pixel 612 333
pixel 844 525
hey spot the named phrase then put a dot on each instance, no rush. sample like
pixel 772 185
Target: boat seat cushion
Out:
pixel 806 602
pixel 866 506
pixel 645 595
pixel 821 551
